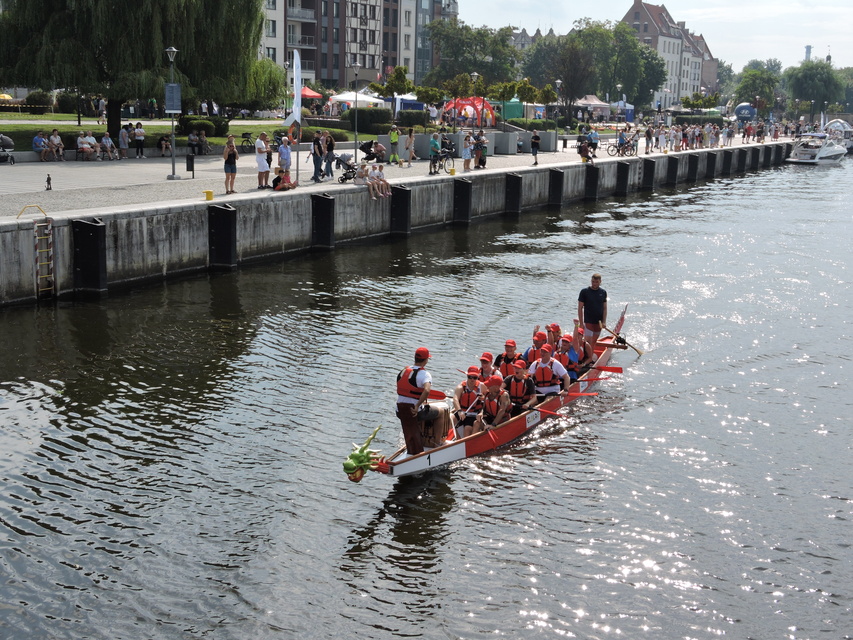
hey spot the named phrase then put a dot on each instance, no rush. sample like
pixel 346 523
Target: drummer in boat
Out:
pixel 413 387
pixel 592 309
pixel 520 388
pixel 548 374
pixel 496 405
pixel 468 400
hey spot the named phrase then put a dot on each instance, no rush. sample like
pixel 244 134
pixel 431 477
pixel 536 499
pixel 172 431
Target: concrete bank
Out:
pixel 87 253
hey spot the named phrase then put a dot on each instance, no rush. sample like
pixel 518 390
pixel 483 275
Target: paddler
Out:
pixel 486 368
pixel 521 390
pixel 467 400
pixel 413 386
pixel 573 352
pixel 496 405
pixel 547 374
pixel 504 361
pixel 532 354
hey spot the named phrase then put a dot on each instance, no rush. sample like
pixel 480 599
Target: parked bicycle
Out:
pixel 625 149
pixel 247 145
pixel 445 160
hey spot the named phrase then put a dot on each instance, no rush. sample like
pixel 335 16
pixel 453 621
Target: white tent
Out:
pixel 350 96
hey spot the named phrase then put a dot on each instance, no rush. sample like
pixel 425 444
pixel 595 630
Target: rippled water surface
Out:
pixel 170 458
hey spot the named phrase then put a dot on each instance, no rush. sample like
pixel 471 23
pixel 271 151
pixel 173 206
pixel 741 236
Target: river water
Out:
pixel 170 458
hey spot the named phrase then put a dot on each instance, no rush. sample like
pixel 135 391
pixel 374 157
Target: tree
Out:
pixel 464 49
pixel 760 83
pixel 429 95
pixel 653 77
pixel 265 85
pixel 814 80
pixel 397 84
pixel 597 37
pixel 97 47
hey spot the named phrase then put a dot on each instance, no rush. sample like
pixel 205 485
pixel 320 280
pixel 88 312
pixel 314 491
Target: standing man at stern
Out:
pixel 413 387
pixel 592 309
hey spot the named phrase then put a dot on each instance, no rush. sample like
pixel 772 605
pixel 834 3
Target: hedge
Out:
pixel 369 117
pixel 717 120
pixel 339 135
pixel 412 118
pixel 530 125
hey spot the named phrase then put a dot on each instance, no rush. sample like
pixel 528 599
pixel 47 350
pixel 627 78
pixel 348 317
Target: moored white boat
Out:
pixel 816 148
pixel 841 131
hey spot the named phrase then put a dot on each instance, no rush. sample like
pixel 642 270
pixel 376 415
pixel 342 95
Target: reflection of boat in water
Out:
pixel 841 131
pixel 817 148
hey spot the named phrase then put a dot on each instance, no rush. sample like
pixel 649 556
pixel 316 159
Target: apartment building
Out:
pixel 690 66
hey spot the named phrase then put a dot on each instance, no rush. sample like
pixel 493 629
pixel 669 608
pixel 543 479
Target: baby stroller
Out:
pixel 6 145
pixel 344 162
pixel 367 150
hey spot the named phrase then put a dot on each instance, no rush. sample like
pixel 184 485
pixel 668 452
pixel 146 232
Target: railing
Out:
pixel 300 13
pixel 300 41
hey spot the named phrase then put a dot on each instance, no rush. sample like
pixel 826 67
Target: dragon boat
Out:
pixel 449 447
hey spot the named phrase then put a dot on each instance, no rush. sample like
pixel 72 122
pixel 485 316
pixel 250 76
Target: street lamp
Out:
pixel 811 114
pixel 474 77
pixel 287 84
pixel 618 100
pixel 559 84
pixel 173 101
pixel 356 66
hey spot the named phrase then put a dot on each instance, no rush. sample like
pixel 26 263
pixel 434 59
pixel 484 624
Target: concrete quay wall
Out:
pixel 91 253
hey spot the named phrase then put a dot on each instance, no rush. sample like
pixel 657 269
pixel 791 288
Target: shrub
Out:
pixel 411 118
pixel 202 125
pixel 369 117
pixel 530 125
pixel 380 129
pixel 221 124
pixel 41 101
pixel 66 102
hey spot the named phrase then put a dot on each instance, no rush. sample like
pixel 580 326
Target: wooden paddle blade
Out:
pixel 616 335
pixel 435 394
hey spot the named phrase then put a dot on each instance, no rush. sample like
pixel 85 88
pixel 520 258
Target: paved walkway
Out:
pixel 93 185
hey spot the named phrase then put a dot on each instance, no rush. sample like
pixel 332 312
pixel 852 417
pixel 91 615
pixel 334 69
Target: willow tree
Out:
pixel 116 48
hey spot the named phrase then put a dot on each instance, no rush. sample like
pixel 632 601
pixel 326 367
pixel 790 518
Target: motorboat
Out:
pixel 841 131
pixel 817 148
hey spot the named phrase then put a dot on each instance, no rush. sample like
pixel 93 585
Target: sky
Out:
pixel 737 31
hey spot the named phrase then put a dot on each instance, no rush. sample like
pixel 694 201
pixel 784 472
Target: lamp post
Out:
pixel 356 66
pixel 474 77
pixel 811 114
pixel 797 103
pixel 559 84
pixel 287 84
pixel 618 100
pixel 170 106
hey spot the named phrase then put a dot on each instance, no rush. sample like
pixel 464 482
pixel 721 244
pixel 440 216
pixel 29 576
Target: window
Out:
pixel 385 40
pixel 407 62
pixel 324 34
pixel 636 16
pixel 645 27
pixel 353 9
pixel 407 41
pixel 336 61
pixel 372 37
pixel 372 62
pixel 395 17
pixel 271 5
pixel 335 35
pixel 271 53
pixel 324 60
pixel 270 28
pixel 324 8
pixel 372 12
pixel 364 11
pixel 353 36
pixel 393 43
pixel 363 35
pixel 336 9
pixel 407 17
pixel 385 17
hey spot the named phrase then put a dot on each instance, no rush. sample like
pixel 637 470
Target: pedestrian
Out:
pixel 139 140
pixel 262 147
pixel 316 155
pixel 467 146
pixel 230 155
pixel 410 146
pixel 434 151
pixel 394 141
pixel 124 141
pixel 284 154
pixel 330 154
pixel 534 146
pixel 649 135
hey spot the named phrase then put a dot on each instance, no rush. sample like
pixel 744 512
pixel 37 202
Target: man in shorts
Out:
pixel 262 147
pixel 592 309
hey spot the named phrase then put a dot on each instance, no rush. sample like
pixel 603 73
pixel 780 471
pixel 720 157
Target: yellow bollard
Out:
pixel 208 195
pixel 453 171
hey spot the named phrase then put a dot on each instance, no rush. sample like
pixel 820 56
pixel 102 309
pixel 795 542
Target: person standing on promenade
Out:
pixel 230 155
pixel 594 139
pixel 317 157
pixel 394 137
pixel 124 141
pixel 649 135
pixel 410 147
pixel 413 387
pixel 139 139
pixel 330 154
pixel 434 152
pixel 467 146
pixel 534 146
pixel 262 147
pixel 592 309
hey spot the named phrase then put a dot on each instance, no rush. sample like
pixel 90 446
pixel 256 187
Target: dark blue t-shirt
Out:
pixel 593 304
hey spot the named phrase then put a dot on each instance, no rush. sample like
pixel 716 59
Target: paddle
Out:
pixel 616 335
pixel 609 369
pixel 435 394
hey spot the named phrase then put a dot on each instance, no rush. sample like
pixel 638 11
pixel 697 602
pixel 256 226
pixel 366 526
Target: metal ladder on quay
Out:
pixel 43 259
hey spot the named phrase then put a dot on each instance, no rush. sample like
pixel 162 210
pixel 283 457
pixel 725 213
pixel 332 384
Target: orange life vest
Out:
pixel 544 375
pixel 407 383
pixel 491 406
pixel 471 399
pixel 519 390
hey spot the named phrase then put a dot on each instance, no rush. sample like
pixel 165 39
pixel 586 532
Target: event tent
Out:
pixel 308 92
pixel 471 107
pixel 350 96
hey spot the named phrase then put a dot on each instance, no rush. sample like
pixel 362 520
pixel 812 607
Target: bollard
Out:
pixel 755 158
pixel 221 237
pixel 513 192
pixel 556 178
pixel 590 187
pixel 208 195
pixel 711 165
pixel 728 158
pixel 623 175
pixel 740 160
pixel 672 170
pixel 463 200
pixel 767 160
pixel 401 211
pixel 322 221
pixel 693 167
pixel 648 183
pixel 89 239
